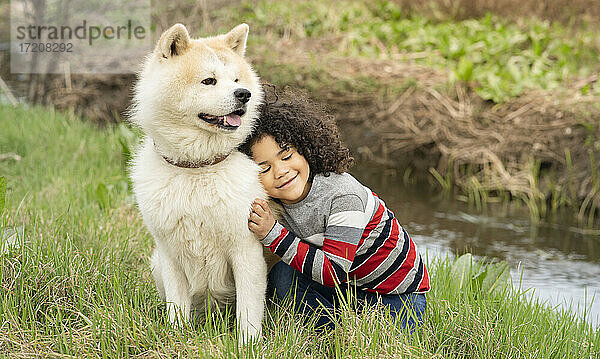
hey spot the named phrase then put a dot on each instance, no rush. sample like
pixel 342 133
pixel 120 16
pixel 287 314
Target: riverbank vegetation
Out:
pixel 75 281
pixel 489 103
pixel 490 109
pixel 494 110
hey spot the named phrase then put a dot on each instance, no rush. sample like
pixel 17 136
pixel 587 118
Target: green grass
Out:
pixel 77 282
pixel 501 58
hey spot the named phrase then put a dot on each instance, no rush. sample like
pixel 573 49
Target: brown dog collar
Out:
pixel 193 164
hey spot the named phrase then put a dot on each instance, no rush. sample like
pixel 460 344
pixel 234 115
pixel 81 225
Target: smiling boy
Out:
pixel 334 231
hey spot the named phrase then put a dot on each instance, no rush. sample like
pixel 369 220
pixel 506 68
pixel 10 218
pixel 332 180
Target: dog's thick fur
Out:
pixel 198 216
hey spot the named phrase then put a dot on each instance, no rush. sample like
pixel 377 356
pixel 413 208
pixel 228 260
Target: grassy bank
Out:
pixel 77 282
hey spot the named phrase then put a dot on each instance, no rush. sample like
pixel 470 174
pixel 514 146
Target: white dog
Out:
pixel 196 100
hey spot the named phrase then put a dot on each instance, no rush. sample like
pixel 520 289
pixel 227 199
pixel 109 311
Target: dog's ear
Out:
pixel 174 41
pixel 236 38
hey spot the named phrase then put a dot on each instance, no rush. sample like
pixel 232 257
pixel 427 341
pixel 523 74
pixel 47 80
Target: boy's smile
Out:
pixel 284 172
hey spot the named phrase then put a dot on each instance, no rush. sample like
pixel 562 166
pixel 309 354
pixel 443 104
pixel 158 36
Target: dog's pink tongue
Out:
pixel 233 120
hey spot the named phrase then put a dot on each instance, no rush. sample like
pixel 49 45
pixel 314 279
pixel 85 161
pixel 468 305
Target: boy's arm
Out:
pixel 342 236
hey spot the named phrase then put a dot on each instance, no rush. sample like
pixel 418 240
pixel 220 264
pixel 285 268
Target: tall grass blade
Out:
pixel 2 193
pixel 102 196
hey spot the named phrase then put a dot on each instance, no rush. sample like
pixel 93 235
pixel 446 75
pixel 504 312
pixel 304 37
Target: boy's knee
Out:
pixel 421 305
pixel 280 279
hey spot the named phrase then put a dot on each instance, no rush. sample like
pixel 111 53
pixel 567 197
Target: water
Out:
pixel 558 263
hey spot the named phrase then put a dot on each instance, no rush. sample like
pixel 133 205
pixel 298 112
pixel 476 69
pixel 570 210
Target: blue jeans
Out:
pixel 309 297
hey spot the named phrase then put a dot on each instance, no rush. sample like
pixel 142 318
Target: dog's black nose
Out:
pixel 242 95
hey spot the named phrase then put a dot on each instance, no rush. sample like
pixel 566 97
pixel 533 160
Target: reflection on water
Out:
pixel 561 265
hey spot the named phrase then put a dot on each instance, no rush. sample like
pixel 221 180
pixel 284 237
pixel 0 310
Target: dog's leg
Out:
pixel 175 285
pixel 250 274
pixel 156 270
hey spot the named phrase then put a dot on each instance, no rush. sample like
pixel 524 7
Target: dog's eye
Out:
pixel 210 81
pixel 236 80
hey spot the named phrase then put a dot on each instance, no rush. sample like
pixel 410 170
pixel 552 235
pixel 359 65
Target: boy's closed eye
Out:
pixel 286 156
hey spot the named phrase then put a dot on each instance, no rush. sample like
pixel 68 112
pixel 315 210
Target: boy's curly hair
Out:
pixel 292 119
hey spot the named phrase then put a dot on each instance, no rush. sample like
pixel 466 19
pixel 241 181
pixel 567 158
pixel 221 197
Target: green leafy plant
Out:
pixel 490 277
pixel 502 58
pixel 461 270
pixel 496 277
pixel 464 70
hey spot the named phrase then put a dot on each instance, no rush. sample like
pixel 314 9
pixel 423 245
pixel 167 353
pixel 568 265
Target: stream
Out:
pixel 559 264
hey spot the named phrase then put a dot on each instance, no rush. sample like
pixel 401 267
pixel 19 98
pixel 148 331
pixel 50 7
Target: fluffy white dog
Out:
pixel 196 100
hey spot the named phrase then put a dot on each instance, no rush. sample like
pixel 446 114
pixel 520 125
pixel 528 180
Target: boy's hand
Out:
pixel 261 219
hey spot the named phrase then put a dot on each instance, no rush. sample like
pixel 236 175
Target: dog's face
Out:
pixel 200 93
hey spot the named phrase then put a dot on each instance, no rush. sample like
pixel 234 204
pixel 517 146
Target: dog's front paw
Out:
pixel 248 335
pixel 178 315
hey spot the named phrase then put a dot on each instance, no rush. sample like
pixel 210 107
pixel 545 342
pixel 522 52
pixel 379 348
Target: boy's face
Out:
pixel 284 172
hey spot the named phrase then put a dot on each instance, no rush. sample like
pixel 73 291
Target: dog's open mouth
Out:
pixel 228 122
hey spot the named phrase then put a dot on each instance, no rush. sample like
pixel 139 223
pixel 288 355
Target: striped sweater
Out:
pixel 342 231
